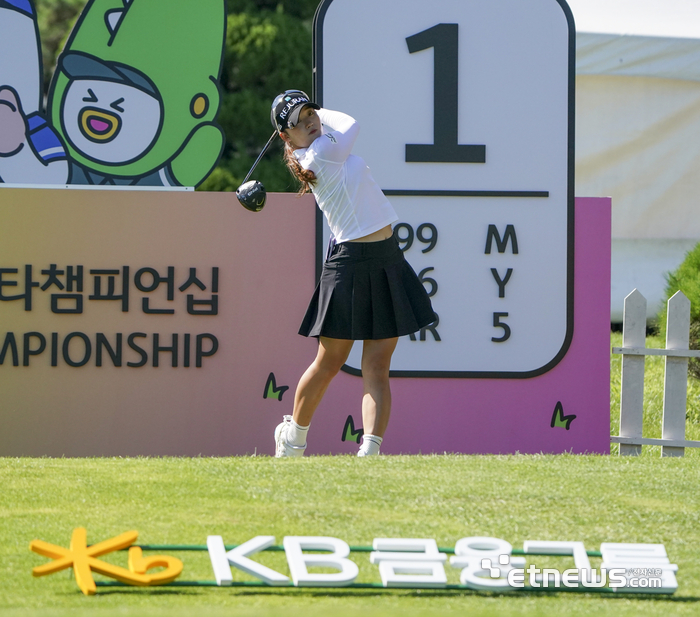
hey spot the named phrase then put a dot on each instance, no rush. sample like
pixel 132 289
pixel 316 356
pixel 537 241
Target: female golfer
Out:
pixel 367 290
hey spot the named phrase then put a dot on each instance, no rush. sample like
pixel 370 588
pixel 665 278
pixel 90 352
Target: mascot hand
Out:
pixel 199 155
pixel 13 129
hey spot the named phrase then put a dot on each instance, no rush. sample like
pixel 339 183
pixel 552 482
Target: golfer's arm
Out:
pixel 336 144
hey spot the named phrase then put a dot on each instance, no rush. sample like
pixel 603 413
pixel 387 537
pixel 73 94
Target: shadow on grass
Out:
pixel 411 593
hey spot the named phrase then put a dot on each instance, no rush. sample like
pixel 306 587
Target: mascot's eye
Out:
pixel 90 99
pixel 199 105
pixel 117 103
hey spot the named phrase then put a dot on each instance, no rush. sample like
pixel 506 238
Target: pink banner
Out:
pixel 86 371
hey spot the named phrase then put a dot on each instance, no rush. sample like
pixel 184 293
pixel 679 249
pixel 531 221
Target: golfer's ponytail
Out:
pixel 306 177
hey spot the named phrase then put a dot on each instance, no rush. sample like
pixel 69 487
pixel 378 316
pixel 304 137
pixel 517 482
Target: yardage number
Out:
pixel 426 233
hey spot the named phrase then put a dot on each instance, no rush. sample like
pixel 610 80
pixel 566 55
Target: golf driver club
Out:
pixel 252 194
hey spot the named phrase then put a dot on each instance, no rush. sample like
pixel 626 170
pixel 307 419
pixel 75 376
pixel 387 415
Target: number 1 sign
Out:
pixel 466 111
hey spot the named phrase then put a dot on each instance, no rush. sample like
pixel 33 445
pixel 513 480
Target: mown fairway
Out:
pixel 180 501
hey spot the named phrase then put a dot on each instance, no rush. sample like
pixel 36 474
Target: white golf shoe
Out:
pixel 370 445
pixel 282 447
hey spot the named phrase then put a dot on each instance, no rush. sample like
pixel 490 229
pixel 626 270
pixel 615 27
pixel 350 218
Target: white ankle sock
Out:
pixel 370 445
pixel 296 434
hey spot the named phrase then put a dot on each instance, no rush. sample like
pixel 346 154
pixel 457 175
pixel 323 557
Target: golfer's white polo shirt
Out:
pixel 345 191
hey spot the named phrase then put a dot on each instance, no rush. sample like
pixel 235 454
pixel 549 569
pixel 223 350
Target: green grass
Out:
pixel 588 498
pixel 593 499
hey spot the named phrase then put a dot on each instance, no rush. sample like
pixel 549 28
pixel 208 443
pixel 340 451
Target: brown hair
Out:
pixel 306 177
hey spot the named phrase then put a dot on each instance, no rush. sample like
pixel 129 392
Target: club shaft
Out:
pixel 262 152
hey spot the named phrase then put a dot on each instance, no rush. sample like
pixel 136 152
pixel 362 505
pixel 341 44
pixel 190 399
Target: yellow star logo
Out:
pixel 83 559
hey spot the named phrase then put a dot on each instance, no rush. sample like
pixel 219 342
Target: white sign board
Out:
pixel 466 116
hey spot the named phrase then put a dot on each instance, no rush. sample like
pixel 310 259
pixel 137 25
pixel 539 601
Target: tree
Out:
pixel 56 19
pixel 686 278
pixel 267 52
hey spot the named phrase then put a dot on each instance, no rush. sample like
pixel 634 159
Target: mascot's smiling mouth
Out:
pixel 99 126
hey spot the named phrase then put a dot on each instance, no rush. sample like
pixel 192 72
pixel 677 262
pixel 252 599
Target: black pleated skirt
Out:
pixel 367 291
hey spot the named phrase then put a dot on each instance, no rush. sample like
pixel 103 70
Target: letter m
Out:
pixel 501 243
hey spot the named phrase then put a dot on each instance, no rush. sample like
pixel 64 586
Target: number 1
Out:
pixel 444 39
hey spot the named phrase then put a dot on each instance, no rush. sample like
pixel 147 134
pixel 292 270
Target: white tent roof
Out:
pixel 638 38
pixel 637 56
pixel 638 113
pixel 667 18
pixel 638 133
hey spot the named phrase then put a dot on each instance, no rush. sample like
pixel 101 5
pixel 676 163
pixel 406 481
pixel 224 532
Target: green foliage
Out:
pixel 266 53
pixel 219 180
pixel 56 19
pixel 686 278
pixel 301 9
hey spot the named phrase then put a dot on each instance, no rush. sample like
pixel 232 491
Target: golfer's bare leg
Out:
pixel 376 402
pixel 332 354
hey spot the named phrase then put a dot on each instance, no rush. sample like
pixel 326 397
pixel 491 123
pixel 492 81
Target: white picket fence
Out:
pixel 633 350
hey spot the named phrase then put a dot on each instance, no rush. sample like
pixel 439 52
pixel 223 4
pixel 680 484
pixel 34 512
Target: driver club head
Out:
pixel 252 195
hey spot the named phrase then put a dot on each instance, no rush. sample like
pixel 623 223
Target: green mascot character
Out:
pixel 136 92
